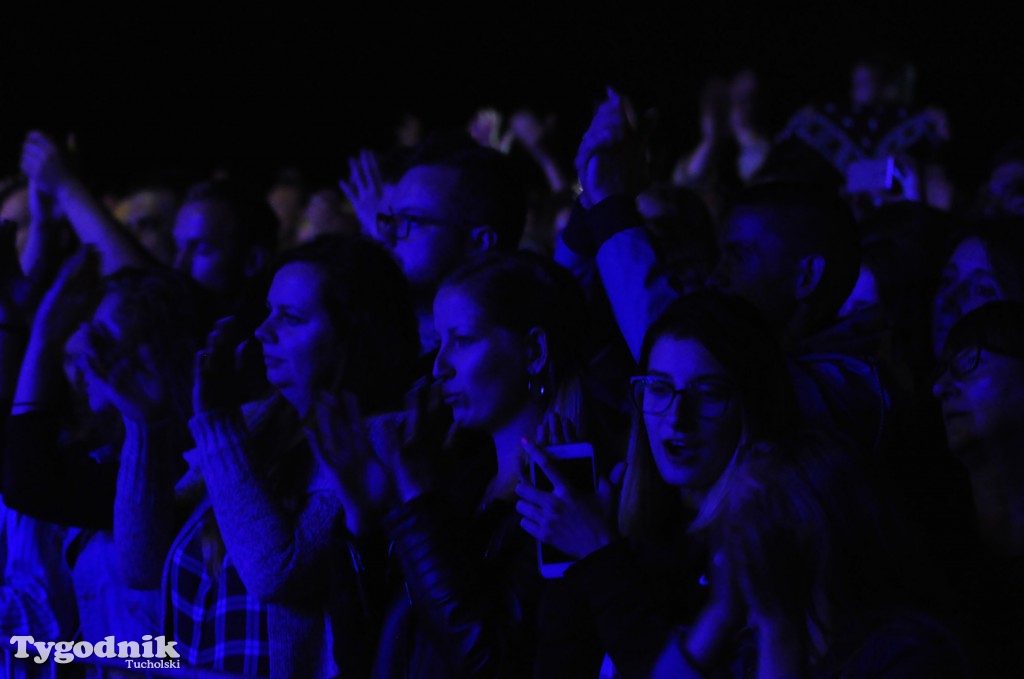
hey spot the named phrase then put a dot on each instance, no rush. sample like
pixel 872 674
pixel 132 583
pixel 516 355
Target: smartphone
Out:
pixel 870 176
pixel 575 462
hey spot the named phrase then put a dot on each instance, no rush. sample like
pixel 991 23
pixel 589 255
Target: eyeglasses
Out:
pixel 709 400
pixel 961 365
pixel 392 228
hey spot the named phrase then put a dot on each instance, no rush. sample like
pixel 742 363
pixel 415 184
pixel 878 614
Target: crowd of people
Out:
pixel 309 431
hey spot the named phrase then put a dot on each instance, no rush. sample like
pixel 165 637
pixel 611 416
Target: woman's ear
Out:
pixel 536 350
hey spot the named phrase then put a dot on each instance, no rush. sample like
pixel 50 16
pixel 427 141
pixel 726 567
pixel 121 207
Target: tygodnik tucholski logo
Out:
pixel 164 656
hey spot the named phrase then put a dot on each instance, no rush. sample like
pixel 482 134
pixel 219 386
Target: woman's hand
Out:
pixel 128 376
pixel 409 447
pixel 341 443
pixel 217 379
pixel 564 518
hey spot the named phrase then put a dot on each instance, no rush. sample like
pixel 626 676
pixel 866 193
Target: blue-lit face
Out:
pixel 690 451
pixel 967 282
pixel 756 265
pixel 482 367
pixel 427 253
pixel 981 395
pixel 301 348
pixel 205 248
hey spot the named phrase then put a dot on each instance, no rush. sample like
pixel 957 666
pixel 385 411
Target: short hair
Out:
pixel 1003 241
pixel 370 305
pixel 252 221
pixel 738 337
pixel 491 192
pixel 809 220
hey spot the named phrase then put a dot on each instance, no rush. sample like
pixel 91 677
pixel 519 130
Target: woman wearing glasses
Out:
pixel 711 379
pixel 981 390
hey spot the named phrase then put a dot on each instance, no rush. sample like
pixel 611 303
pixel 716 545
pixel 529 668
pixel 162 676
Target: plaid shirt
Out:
pixel 36 594
pixel 215 621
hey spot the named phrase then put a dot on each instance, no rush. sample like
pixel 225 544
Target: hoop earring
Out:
pixel 535 393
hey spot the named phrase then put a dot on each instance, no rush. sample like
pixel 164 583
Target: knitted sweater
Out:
pixel 280 556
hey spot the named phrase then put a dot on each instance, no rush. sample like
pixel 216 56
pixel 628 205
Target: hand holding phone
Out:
pixel 560 508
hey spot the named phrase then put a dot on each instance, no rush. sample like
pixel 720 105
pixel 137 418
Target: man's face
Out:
pixel 206 248
pixel 435 245
pixel 756 264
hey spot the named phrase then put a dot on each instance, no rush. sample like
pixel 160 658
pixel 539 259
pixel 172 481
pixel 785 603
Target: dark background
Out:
pixel 253 92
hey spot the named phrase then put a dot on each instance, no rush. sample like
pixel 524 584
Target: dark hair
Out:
pixel 162 311
pixel 736 335
pixel 1003 240
pixel 491 193
pixel 809 220
pixel 996 326
pixel 251 220
pixel 805 522
pixel 522 290
pixel 370 305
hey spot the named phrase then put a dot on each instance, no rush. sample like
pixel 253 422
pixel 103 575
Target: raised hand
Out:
pixel 485 128
pixel 609 160
pixel 341 443
pixel 365 190
pixel 45 163
pixel 130 379
pixel 409 446
pixel 564 518
pixel 217 378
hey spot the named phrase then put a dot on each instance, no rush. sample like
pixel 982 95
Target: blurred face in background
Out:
pixel 968 281
pixel 206 247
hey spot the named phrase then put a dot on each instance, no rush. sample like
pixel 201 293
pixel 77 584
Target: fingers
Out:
pixel 543 460
pixel 556 430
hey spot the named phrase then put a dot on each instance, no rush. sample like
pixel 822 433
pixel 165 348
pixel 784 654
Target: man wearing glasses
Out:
pixel 452 203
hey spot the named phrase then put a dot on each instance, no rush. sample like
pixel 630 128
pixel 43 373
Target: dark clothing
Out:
pixel 624 600
pixel 903 646
pixel 69 484
pixel 471 584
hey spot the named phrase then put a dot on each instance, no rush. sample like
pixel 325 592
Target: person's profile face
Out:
pixel 1006 189
pixel 981 393
pixel 482 367
pixel 301 349
pixel 434 246
pixel 691 444
pixel 968 280
pixel 206 248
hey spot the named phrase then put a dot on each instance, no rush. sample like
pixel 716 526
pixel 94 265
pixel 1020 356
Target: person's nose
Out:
pixel 682 415
pixel 442 369
pixel 265 332
pixel 944 387
pixel 183 259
